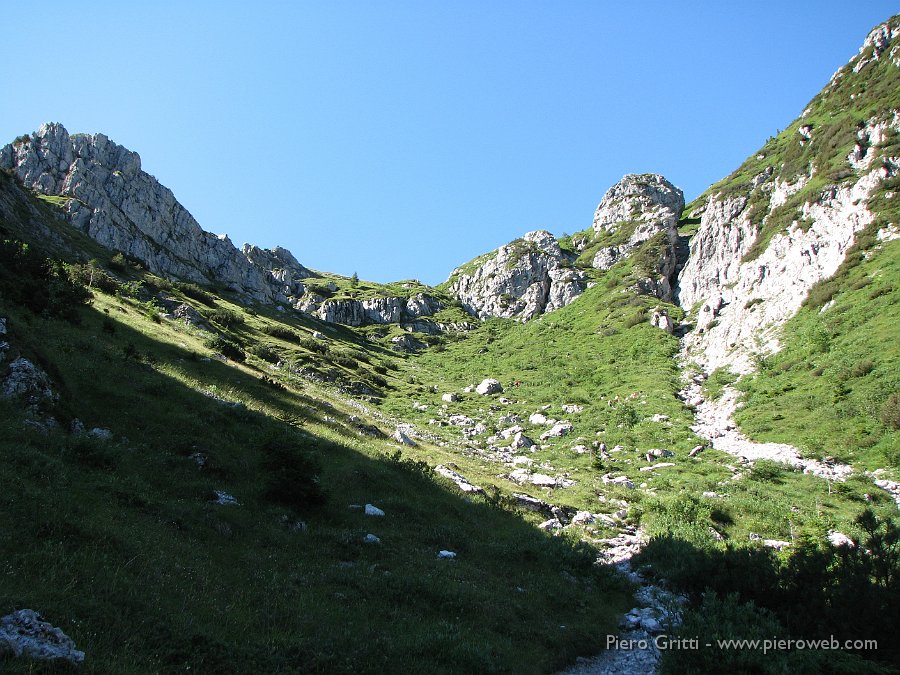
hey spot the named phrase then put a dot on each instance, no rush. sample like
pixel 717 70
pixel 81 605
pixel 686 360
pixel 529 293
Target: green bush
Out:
pixel 265 352
pixel 291 472
pixel 226 318
pixel 890 411
pixel 226 348
pixel 42 285
pixel 767 471
pixel 195 292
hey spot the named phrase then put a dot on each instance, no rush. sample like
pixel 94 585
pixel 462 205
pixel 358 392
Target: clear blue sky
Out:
pixel 400 139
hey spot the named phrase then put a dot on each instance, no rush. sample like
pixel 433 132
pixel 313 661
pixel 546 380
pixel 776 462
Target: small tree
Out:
pixel 354 280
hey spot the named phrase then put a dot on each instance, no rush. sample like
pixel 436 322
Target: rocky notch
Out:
pixel 126 209
pixel 534 275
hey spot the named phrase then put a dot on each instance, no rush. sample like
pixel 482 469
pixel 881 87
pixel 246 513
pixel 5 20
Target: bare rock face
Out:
pixel 128 210
pixel 647 198
pixel 520 280
pixel 377 311
pixel 741 304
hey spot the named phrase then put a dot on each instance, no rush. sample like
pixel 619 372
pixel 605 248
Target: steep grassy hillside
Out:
pixel 120 541
pixel 833 387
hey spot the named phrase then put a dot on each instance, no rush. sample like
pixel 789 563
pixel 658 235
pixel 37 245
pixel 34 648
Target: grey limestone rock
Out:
pixel 25 634
pixel 126 209
pixel 522 279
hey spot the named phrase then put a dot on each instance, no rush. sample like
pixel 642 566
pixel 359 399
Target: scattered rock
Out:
pixel 530 503
pixel 557 430
pixel 101 434
pixel 373 511
pixel 619 480
pixel 224 499
pixel 582 518
pixel 401 435
pixel 660 465
pixel 777 544
pixel 407 343
pixel 489 386
pixel 537 419
pixel 371 539
pixel 572 408
pixel 189 315
pixel 25 634
pixel 521 441
pixel 29 384
pixel 461 482
pixel 446 555
pixel 450 398
pixel 552 524
pixel 839 539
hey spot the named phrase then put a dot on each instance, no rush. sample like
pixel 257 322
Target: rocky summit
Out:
pixel 223 460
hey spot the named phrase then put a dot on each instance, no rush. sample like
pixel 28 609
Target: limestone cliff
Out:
pixel 126 209
pixel 785 219
pixel 534 275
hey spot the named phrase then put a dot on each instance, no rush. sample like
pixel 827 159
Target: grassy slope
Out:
pixel 588 354
pixel 120 545
pixel 828 389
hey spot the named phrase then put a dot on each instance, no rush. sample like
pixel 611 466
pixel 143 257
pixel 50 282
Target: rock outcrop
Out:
pixel 376 310
pixel 521 280
pixel 26 634
pixel 533 275
pixel 126 209
pixel 632 212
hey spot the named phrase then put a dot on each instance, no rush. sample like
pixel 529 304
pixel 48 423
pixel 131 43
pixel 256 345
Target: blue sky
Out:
pixel 400 139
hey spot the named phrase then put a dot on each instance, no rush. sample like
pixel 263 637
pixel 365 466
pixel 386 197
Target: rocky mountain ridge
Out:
pixel 739 300
pixel 109 197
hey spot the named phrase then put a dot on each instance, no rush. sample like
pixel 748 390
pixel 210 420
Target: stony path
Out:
pixel 713 421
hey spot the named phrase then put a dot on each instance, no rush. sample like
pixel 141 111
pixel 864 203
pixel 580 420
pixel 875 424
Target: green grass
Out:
pixel 828 389
pixel 120 545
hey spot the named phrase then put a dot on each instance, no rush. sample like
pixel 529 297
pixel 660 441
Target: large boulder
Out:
pixel 489 386
pixel 25 634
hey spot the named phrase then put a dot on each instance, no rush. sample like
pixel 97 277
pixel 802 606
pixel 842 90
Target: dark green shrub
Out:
pixel 890 411
pixel 283 333
pixel 195 292
pixel 313 345
pixel 226 348
pixel 291 472
pixel 767 471
pixel 118 263
pixel 635 319
pixel 226 318
pixel 265 352
pixel 862 368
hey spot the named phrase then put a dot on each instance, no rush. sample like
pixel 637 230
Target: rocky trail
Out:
pixel 713 421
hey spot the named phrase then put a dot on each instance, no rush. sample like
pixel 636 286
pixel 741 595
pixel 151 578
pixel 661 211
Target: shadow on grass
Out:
pixel 121 544
pixel 818 592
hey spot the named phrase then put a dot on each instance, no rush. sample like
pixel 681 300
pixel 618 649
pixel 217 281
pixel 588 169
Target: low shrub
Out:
pixel 226 348
pixel 291 472
pixel 195 292
pixel 226 318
